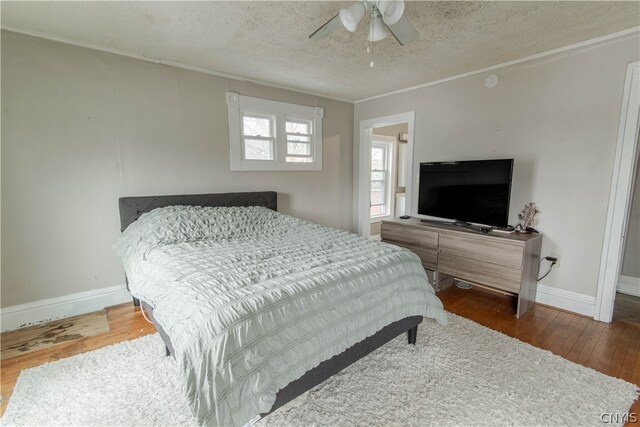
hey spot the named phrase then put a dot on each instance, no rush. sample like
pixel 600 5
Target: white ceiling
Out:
pixel 268 41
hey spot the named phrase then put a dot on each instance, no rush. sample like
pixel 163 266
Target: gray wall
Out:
pixel 631 260
pixel 558 118
pixel 81 128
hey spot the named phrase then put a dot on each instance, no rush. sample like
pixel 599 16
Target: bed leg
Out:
pixel 136 302
pixel 412 335
pixel 167 352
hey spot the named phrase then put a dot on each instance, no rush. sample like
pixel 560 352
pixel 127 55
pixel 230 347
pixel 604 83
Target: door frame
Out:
pixel 619 196
pixel 364 165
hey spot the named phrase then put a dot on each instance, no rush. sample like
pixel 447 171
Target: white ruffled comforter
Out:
pixel 252 299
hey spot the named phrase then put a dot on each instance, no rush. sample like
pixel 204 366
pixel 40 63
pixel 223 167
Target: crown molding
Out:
pixel 597 40
pixel 578 45
pixel 166 62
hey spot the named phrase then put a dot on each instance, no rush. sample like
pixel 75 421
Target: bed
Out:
pixel 308 287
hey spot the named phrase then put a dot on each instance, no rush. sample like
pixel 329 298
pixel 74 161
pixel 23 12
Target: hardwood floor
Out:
pixel 26 340
pixel 125 323
pixel 627 308
pixel 613 349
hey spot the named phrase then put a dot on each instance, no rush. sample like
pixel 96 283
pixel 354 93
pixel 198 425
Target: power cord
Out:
pixel 553 260
pixel 144 315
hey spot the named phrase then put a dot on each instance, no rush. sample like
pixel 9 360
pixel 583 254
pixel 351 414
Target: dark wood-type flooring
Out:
pixel 613 349
pixel 626 308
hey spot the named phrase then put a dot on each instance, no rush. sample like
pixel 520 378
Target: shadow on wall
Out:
pixel 376 228
pixel 521 190
pixel 284 202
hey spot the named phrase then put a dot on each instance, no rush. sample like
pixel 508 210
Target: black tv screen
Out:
pixel 475 191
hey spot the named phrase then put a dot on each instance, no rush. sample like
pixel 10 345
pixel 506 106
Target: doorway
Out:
pixel 387 195
pixel 384 170
pixel 618 211
pixel 626 306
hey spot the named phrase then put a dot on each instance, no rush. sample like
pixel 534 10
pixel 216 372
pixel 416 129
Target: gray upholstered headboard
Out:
pixel 132 207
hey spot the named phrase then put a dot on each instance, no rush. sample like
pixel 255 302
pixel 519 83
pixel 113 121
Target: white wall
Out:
pixel 81 128
pixel 557 116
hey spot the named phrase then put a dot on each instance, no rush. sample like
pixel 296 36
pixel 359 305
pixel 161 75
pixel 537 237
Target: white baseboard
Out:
pixel 629 285
pixel 566 300
pixel 33 313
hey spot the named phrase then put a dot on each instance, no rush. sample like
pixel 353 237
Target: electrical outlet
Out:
pixel 558 259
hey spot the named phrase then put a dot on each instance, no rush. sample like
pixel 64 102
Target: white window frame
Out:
pixel 237 105
pixel 270 138
pixel 387 143
pixel 302 135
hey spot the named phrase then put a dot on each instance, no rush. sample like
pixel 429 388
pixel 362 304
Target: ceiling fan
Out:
pixel 385 17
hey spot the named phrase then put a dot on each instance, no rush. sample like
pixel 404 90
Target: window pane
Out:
pixel 377 210
pixel 297 127
pixel 300 138
pixel 377 176
pixel 298 148
pixel 377 197
pixel 377 159
pixel 258 149
pixel 256 126
pixel 299 159
pixel 380 154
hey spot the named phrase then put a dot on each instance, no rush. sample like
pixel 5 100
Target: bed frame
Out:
pixel 132 207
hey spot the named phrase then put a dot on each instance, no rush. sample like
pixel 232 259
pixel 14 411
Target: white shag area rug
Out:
pixel 462 374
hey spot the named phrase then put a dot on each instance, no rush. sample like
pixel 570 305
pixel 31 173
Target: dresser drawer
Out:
pixel 429 257
pixel 482 249
pixel 410 235
pixel 497 276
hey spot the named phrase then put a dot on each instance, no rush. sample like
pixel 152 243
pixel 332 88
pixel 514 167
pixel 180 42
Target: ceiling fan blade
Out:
pixel 329 27
pixel 404 31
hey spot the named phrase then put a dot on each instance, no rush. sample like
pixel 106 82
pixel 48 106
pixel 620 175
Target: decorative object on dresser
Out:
pixel 527 218
pixel 507 263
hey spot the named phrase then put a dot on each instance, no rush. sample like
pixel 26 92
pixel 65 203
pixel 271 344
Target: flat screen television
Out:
pixel 476 191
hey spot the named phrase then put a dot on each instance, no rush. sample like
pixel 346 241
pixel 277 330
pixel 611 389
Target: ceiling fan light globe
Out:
pixel 377 30
pixel 351 16
pixel 391 10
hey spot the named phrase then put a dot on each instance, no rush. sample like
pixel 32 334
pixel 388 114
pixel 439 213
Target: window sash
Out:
pixel 385 182
pixel 269 137
pixel 294 138
pixel 272 153
pixel 383 186
pixel 307 149
pixel 257 115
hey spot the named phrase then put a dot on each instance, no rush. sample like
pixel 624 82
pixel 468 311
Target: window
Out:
pixel 299 134
pixel 257 137
pixel 272 136
pixel 380 178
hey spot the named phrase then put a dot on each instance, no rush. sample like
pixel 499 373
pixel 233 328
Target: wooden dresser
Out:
pixel 505 262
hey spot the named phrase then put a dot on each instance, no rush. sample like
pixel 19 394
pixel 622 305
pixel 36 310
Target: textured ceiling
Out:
pixel 268 41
